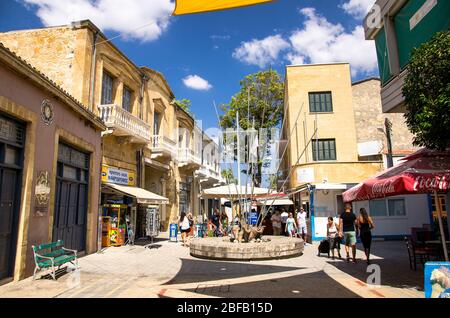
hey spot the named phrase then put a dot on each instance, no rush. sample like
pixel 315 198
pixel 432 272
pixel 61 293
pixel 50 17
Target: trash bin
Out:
pixel 173 232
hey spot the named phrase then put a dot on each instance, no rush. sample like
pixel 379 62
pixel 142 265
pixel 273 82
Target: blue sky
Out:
pixel 215 49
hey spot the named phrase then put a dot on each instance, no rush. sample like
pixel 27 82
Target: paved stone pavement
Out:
pixel 169 271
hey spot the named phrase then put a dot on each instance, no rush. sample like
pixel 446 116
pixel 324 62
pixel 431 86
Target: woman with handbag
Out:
pixel 333 237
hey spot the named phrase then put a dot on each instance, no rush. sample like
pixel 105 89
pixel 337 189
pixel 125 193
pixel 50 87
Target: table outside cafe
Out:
pixel 425 171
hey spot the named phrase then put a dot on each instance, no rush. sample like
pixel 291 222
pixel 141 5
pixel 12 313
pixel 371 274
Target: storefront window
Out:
pixel 397 207
pixel 378 208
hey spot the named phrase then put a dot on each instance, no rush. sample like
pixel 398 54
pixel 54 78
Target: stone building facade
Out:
pixel 49 167
pixel 143 142
pixel 370 123
pixel 322 158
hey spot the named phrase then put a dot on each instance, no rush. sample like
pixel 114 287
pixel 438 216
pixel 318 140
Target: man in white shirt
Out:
pixel 301 224
pixel 284 217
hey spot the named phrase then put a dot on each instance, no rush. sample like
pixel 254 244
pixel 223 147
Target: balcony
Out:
pixel 124 124
pixel 187 158
pixel 208 174
pixel 162 146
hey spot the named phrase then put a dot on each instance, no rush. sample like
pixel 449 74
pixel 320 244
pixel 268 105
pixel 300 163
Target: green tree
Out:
pixel 228 175
pixel 427 93
pixel 185 104
pixel 259 103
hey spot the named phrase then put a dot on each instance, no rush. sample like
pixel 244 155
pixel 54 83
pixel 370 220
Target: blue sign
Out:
pixel 200 230
pixel 437 280
pixel 173 232
pixel 253 218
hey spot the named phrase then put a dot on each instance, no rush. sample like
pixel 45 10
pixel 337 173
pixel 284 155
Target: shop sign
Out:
pixel 305 175
pixel 437 280
pixel 116 176
pixel 421 13
pixel 42 193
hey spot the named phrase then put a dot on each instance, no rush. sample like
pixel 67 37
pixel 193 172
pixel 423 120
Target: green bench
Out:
pixel 53 255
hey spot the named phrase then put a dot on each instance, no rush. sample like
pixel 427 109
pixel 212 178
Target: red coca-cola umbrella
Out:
pixel 425 171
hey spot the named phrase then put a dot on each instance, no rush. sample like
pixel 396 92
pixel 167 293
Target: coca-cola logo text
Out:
pixel 432 183
pixel 383 188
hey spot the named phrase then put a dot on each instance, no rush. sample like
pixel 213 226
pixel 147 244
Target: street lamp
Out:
pixel 388 132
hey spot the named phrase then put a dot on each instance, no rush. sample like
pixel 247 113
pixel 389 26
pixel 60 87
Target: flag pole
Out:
pixel 441 226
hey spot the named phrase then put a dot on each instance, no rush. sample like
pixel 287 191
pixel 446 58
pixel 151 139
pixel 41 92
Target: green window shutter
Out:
pixel 383 57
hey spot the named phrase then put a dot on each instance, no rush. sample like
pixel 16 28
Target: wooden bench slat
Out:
pixel 48 246
pixel 57 261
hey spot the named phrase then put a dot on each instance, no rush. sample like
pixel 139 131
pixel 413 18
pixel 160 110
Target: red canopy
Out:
pixel 422 172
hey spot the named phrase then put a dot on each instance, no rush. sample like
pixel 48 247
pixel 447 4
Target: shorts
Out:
pixel 350 238
pixel 186 230
pixel 335 242
pixel 302 229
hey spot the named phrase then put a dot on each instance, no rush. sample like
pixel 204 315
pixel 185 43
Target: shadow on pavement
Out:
pixel 392 257
pixel 58 273
pixel 193 271
pixel 147 241
pixel 310 285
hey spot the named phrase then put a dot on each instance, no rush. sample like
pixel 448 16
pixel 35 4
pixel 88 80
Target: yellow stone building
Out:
pixel 323 147
pixel 150 143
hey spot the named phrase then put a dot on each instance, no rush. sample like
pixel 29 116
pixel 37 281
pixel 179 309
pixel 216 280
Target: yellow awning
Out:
pixel 196 6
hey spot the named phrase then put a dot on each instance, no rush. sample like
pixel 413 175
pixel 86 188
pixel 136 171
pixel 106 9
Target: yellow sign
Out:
pixel 117 176
pixel 197 6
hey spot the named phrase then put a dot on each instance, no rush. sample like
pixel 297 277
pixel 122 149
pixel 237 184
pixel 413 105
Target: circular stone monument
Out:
pixel 272 247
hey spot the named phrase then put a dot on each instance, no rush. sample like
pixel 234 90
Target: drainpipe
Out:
pixel 390 160
pixel 93 73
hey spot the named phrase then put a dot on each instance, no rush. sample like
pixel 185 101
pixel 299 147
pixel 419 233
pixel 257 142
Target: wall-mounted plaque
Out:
pixel 47 112
pixel 42 193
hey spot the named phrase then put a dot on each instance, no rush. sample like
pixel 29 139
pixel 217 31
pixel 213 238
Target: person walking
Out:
pixel 301 223
pixel 284 216
pixel 224 223
pixel 191 224
pixel 333 237
pixel 365 225
pixel 276 223
pixel 291 227
pixel 215 221
pixel 183 223
pixel 347 230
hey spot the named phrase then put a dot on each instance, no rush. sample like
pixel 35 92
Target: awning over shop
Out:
pixel 330 186
pixel 426 171
pixel 320 186
pixel 275 202
pixel 142 196
pixel 233 191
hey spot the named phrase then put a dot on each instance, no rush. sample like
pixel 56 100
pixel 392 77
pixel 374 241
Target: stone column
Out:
pixel 164 208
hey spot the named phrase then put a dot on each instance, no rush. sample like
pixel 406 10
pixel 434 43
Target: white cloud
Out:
pixel 261 52
pixel 197 83
pixel 134 19
pixel 358 8
pixel 320 41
